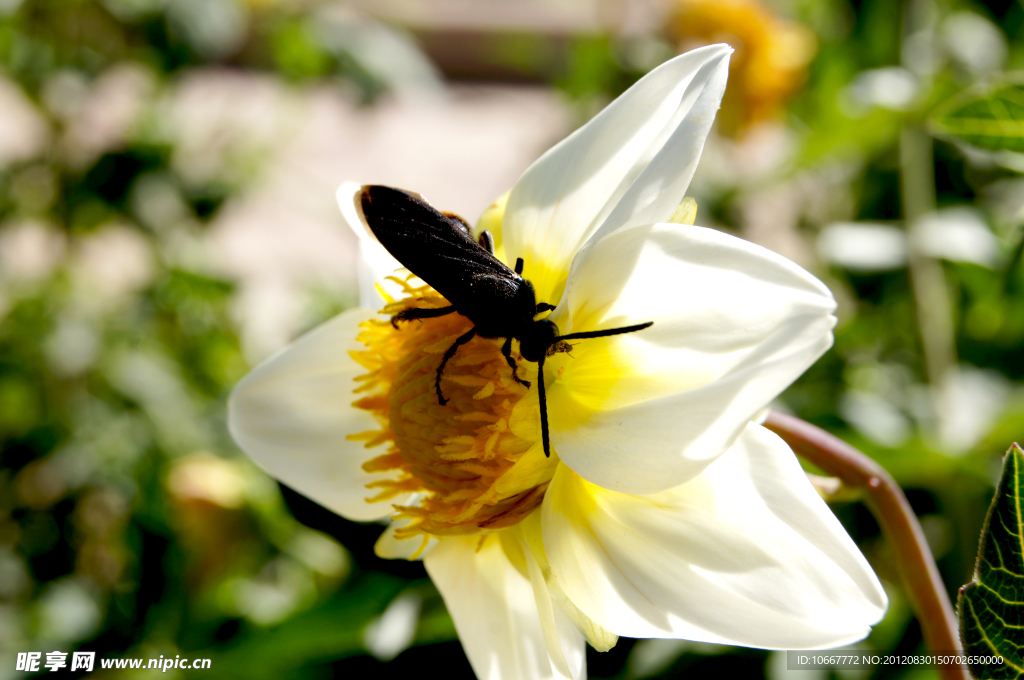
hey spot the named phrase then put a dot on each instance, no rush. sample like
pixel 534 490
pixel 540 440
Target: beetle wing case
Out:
pixel 439 250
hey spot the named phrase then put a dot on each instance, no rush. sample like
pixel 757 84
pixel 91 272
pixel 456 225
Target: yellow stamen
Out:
pixel 461 455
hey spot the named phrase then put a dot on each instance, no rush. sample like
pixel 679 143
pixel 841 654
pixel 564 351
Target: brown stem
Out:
pixel 899 526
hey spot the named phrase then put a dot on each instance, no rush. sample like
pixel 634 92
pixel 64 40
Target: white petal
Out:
pixel 292 414
pixel 493 607
pixel 734 324
pixel 633 161
pixel 746 553
pixel 561 620
pixel 375 263
pixel 560 635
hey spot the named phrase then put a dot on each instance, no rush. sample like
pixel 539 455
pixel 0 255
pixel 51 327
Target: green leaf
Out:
pixel 991 607
pixel 991 118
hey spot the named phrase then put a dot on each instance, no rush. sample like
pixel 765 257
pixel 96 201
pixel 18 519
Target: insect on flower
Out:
pixel 663 509
pixel 440 249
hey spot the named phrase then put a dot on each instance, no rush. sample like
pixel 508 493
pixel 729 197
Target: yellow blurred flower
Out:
pixel 770 61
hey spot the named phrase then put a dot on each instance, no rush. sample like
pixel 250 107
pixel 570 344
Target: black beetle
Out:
pixel 439 248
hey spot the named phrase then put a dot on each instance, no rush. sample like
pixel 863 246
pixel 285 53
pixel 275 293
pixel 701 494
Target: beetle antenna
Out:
pixel 541 390
pixel 604 333
pixel 545 437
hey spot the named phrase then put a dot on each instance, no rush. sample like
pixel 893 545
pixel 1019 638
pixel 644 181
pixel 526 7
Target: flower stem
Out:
pixel 899 526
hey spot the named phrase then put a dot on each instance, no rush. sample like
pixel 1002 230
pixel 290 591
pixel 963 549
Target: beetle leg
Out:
pixel 519 265
pixel 487 241
pixel 542 398
pixel 461 340
pixel 544 307
pixel 420 313
pixel 506 351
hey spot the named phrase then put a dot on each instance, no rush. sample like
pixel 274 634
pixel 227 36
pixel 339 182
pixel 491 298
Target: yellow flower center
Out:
pixel 476 460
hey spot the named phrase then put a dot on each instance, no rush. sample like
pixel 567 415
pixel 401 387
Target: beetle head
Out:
pixel 537 339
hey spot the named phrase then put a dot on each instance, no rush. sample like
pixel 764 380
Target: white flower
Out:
pixel 664 511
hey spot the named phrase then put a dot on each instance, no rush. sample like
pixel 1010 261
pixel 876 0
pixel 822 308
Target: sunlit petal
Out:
pixel 492 604
pixel 746 553
pixel 734 324
pixel 293 412
pixel 550 597
pixel 633 161
pixel 374 262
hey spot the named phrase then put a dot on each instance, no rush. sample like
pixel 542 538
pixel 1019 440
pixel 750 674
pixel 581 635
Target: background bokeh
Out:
pixel 167 220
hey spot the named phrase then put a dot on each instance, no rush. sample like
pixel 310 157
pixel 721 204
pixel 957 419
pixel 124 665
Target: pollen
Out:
pixel 470 470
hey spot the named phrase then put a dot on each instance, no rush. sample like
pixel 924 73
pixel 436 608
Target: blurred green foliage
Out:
pixel 992 120
pixel 131 525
